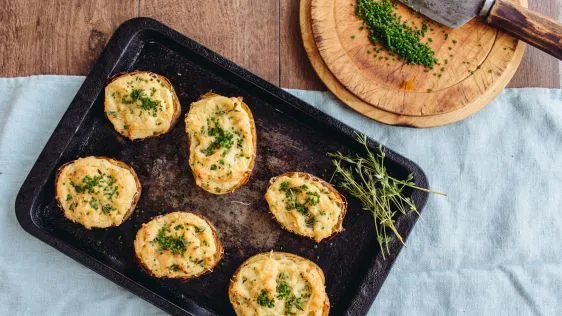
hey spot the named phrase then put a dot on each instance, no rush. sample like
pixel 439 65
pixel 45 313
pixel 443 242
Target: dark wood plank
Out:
pixel 57 36
pixel 66 36
pixel 538 69
pixel 295 69
pixel 245 31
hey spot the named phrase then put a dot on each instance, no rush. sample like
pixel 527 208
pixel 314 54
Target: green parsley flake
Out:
pixel 263 299
pixel 137 96
pixel 223 138
pixel 175 244
pixel 292 203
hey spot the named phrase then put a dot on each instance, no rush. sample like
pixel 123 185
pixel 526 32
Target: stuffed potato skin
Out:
pixel 278 283
pixel 178 245
pixel 306 205
pixel 141 104
pixel 97 192
pixel 222 142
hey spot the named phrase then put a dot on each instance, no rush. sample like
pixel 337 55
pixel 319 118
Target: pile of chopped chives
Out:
pixel 386 28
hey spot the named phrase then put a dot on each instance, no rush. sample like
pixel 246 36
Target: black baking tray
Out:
pixel 292 135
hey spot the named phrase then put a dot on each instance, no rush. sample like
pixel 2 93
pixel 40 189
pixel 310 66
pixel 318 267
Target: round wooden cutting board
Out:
pixel 479 63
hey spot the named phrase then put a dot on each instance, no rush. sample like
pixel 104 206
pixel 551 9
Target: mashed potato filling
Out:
pixel 221 137
pixel 305 206
pixel 96 192
pixel 140 104
pixel 177 245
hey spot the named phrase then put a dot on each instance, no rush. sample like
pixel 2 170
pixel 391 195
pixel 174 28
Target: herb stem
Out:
pixel 382 195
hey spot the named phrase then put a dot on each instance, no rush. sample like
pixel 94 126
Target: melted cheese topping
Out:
pixel 221 134
pixel 178 245
pixel 278 284
pixel 140 105
pixel 96 192
pixel 305 207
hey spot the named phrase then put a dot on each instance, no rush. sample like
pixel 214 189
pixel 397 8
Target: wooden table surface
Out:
pixel 66 36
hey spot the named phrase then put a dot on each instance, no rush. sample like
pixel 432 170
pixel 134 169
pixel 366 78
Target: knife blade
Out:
pixel 450 13
pixel 506 15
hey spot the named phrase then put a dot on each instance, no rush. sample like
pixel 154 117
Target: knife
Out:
pixel 513 19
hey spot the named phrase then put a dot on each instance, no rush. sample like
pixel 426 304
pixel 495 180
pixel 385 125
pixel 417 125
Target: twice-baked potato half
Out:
pixel 278 283
pixel 97 192
pixel 222 142
pixel 141 104
pixel 178 245
pixel 306 205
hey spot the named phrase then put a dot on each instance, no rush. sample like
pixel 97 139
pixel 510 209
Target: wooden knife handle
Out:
pixel 528 26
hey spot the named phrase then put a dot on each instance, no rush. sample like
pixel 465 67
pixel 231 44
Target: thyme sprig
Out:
pixel 367 179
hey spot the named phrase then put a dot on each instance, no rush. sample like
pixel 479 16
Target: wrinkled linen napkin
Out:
pixel 490 247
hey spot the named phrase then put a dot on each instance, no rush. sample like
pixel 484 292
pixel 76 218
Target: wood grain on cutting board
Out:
pixel 335 86
pixel 473 61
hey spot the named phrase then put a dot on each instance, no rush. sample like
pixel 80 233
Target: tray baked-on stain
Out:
pixel 292 136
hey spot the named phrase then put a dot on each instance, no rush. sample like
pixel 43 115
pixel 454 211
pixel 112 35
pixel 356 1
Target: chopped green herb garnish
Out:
pixel 291 202
pixel 223 139
pixel 100 183
pixel 264 299
pixel 199 229
pixel 292 301
pixel 94 203
pixel 386 28
pixel 175 244
pixel 200 262
pixel 146 103
pixel 107 208
pixel 174 268
pixel 283 290
pixel 313 198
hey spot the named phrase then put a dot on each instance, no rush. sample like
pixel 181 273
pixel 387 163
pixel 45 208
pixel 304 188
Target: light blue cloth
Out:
pixel 491 247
